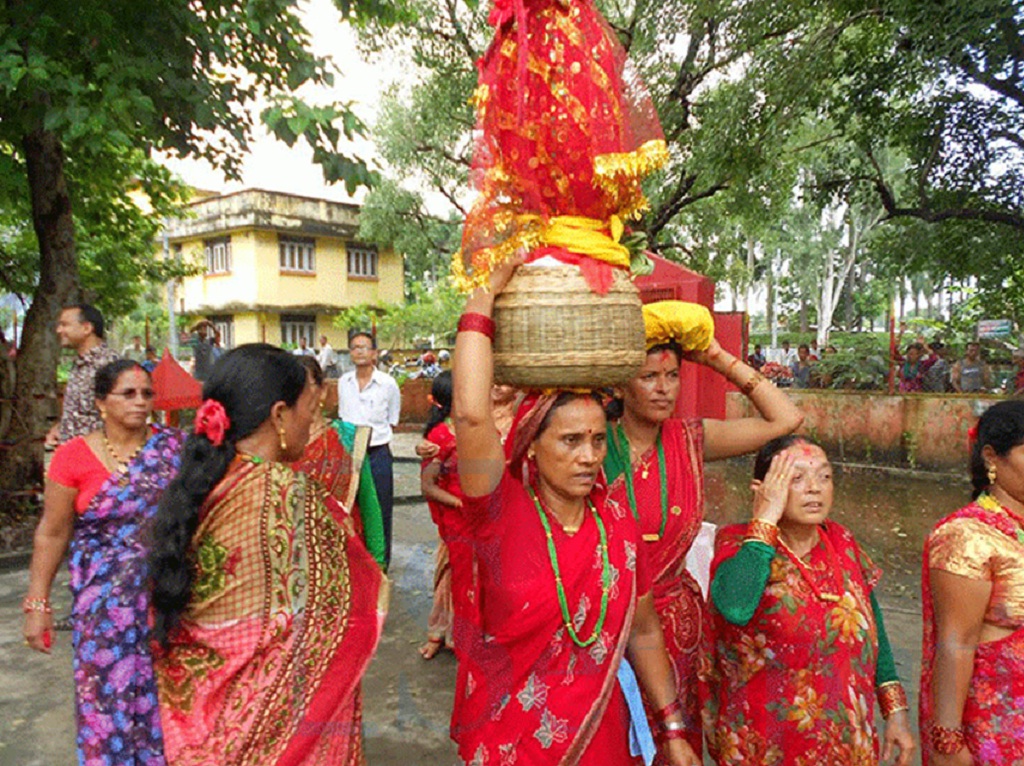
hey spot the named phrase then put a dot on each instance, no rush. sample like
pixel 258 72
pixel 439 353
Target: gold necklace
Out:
pixel 121 464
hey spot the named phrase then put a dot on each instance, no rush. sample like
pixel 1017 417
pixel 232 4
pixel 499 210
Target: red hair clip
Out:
pixel 212 421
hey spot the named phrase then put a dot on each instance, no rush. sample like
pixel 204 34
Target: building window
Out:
pixel 295 326
pixel 297 254
pixel 225 327
pixel 362 262
pixel 218 255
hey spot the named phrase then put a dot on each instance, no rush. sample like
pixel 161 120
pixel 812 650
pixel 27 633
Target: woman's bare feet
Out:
pixel 431 648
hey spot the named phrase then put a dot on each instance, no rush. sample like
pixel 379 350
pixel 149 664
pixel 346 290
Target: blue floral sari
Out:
pixel 115 689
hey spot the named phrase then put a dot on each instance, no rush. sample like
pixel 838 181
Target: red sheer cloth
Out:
pixel 524 688
pixel 565 127
pixel 677 595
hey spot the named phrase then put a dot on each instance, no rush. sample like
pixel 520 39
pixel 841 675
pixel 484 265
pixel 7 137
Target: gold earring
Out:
pixel 530 454
pixel 991 473
pixel 103 414
pixel 284 441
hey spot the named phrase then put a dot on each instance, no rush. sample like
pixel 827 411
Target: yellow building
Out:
pixel 279 267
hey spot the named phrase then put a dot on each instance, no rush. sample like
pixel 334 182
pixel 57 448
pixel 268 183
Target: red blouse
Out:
pixel 76 466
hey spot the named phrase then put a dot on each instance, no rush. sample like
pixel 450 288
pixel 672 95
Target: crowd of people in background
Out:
pixel 920 367
pixel 255 549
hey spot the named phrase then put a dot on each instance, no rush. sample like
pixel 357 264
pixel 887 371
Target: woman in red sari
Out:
pixel 439 483
pixel 561 592
pixel 800 648
pixel 266 607
pixel 972 669
pixel 655 467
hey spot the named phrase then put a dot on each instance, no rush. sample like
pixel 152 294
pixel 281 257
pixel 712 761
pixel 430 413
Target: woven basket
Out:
pixel 553 331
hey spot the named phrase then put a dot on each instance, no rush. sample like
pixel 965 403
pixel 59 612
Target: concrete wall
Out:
pixel 910 431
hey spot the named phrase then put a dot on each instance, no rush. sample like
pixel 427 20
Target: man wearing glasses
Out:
pixel 80 326
pixel 369 397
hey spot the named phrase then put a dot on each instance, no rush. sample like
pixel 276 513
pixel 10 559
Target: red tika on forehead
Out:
pixel 665 355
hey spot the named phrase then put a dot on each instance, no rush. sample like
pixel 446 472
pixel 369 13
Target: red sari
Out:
pixel 264 667
pixel 525 692
pixel 439 622
pixel 993 715
pixel 796 685
pixel 677 595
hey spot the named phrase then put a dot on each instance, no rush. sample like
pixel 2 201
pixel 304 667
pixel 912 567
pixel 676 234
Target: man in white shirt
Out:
pixel 325 356
pixel 303 349
pixel 369 397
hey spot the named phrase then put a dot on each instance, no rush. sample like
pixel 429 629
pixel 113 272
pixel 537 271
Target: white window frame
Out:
pixel 297 254
pixel 362 262
pixel 218 255
pixel 294 326
pixel 225 327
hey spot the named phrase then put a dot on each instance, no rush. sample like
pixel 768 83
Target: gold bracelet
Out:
pixel 761 531
pixel 755 380
pixel 36 605
pixel 891 698
pixel 947 741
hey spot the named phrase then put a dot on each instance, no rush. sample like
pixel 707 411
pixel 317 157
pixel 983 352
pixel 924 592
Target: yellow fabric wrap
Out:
pixel 688 324
pixel 584 236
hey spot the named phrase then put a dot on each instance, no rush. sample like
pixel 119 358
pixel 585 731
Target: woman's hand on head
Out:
pixel 708 357
pixel 772 494
pixel 898 743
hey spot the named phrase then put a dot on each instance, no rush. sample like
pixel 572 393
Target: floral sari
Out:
pixel 336 457
pixel 993 715
pixel 796 684
pixel 115 689
pixel 525 691
pixel 264 668
pixel 677 595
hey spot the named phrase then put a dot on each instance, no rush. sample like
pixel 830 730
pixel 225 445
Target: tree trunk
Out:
pixel 36 366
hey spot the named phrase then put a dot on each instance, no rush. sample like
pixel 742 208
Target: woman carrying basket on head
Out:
pixel 561 587
pixel 655 467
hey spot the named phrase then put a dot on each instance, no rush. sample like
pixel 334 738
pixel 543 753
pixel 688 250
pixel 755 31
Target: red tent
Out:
pixel 175 389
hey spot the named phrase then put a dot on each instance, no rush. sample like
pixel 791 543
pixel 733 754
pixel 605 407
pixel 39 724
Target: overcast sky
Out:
pixel 271 164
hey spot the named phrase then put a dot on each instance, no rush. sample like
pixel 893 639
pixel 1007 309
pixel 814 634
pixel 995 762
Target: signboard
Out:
pixel 995 329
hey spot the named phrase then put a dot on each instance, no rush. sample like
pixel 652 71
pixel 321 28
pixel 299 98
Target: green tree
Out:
pixel 88 91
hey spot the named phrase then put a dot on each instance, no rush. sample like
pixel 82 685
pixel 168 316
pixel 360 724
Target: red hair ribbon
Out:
pixel 212 421
pixel 972 435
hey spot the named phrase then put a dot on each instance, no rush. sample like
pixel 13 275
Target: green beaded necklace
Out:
pixel 627 476
pixel 606 579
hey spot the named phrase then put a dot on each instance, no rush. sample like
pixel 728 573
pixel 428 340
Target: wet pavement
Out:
pixel 407 700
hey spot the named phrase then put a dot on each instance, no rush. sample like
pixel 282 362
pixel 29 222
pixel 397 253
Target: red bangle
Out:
pixel 481 323
pixel 675 706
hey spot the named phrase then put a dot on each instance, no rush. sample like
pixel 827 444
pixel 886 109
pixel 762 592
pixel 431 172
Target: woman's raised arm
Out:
pixel 481 457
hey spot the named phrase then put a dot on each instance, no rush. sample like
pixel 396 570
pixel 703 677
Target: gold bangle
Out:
pixel 753 382
pixel 891 698
pixel 947 741
pixel 759 530
pixel 41 605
